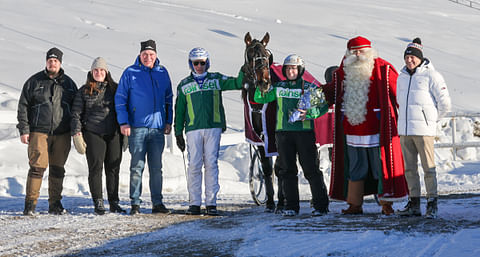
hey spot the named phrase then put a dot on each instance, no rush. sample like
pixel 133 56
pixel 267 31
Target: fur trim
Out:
pixel 357 84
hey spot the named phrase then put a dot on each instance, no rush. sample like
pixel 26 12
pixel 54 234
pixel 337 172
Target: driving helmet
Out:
pixel 294 59
pixel 198 53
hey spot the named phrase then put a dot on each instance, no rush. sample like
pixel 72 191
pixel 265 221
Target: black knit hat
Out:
pixel 148 45
pixel 415 48
pixel 55 53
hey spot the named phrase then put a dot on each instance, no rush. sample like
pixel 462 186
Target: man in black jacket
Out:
pixel 44 124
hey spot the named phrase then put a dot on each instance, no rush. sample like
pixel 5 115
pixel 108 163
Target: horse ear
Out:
pixel 248 39
pixel 265 39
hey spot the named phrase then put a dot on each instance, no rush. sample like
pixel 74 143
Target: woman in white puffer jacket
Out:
pixel 423 98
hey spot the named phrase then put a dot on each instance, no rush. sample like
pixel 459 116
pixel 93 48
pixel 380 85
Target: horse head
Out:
pixel 257 63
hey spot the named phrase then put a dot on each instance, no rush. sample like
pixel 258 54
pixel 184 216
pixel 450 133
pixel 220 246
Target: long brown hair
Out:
pixel 91 84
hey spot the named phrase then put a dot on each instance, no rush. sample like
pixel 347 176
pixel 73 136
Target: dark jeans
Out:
pixel 103 150
pixel 291 143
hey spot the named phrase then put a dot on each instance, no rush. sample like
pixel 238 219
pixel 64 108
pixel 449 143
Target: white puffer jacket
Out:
pixel 422 98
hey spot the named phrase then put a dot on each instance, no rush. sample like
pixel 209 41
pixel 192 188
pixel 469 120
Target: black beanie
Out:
pixel 415 48
pixel 55 53
pixel 148 45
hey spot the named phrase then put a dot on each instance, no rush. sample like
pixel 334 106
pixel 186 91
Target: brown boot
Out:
pixel 354 197
pixel 387 207
pixel 32 189
pixel 32 192
pixel 353 209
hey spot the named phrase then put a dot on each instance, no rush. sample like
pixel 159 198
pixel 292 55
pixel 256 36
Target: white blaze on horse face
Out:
pixel 291 71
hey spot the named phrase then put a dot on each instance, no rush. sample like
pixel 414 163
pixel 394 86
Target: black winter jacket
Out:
pixel 96 112
pixel 45 104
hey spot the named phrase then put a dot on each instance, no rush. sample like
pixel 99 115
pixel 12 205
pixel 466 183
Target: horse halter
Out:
pixel 260 57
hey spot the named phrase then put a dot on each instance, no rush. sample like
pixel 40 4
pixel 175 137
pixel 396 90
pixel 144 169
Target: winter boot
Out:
pixel 56 208
pixel 212 210
pixel 387 207
pixel 135 209
pixel 280 207
pixel 29 208
pixel 99 207
pixel 32 192
pixel 319 212
pixel 412 208
pixel 432 208
pixel 289 213
pixel 160 208
pixel 115 207
pixel 193 210
pixel 55 187
pixel 354 197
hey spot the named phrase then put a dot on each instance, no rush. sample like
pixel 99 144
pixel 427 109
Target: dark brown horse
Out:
pixel 260 118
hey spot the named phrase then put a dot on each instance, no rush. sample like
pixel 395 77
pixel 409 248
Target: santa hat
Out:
pixel 415 48
pixel 358 43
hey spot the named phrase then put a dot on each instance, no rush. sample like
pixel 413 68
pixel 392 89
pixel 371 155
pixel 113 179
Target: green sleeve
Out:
pixel 267 97
pixel 232 83
pixel 180 112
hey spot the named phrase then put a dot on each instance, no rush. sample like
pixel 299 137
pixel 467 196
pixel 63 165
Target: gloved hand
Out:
pixel 180 142
pixel 79 143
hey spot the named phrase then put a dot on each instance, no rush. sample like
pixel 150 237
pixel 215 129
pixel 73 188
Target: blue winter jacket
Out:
pixel 144 96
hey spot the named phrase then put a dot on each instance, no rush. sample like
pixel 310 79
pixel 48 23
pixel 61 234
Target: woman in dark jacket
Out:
pixel 94 121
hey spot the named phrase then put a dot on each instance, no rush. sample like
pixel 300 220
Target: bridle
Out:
pixel 259 61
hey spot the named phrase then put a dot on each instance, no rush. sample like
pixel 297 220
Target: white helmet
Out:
pixel 198 53
pixel 296 60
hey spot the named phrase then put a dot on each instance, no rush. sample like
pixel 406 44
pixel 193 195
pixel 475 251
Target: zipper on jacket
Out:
pixel 406 106
pixel 425 116
pixel 153 91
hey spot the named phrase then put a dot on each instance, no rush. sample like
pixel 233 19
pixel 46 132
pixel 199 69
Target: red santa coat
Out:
pixel 393 184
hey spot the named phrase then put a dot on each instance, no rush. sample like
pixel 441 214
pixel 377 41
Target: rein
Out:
pixel 265 61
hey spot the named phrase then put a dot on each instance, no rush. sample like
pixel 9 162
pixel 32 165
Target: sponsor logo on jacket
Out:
pixel 193 86
pixel 288 92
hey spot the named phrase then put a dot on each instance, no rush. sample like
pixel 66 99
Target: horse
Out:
pixel 260 118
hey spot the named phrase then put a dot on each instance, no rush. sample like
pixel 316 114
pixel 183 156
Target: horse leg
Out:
pixel 267 176
pixel 266 162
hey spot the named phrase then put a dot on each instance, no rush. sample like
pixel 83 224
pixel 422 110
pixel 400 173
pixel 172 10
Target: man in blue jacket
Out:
pixel 143 102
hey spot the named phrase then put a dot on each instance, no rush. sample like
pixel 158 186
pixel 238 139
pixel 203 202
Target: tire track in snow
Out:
pixel 5 27
pixel 230 15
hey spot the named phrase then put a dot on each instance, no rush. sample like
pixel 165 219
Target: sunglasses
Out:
pixel 195 63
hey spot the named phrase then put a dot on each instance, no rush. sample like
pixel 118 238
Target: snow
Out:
pixel 318 31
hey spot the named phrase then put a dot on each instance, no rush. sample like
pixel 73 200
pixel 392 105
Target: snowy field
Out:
pixel 315 29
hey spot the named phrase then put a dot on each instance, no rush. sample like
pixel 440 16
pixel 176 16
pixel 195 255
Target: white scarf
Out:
pixel 357 83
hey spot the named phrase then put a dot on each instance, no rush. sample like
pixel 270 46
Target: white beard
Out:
pixel 357 84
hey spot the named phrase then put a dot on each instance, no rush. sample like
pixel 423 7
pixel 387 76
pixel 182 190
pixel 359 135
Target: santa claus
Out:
pixel 367 158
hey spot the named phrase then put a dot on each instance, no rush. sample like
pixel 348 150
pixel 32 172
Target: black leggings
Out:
pixel 103 150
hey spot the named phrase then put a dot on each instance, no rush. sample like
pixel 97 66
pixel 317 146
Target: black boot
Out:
pixel 432 208
pixel 115 207
pixel 135 209
pixel 411 209
pixel 193 210
pixel 29 208
pixel 99 207
pixel 56 208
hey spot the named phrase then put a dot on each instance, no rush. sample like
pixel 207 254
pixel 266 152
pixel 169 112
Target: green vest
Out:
pixel 287 94
pixel 201 107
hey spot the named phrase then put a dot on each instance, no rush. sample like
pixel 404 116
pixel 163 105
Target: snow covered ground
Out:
pixel 315 29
